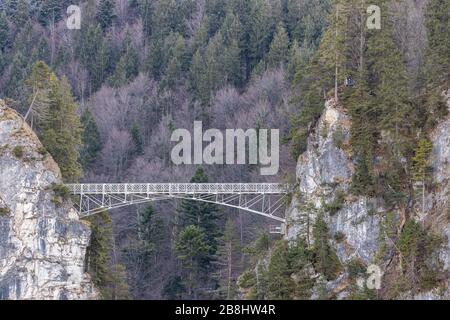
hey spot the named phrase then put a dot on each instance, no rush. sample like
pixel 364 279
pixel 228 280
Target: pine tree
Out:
pixel 118 288
pixel 421 168
pixel 146 11
pixel 50 11
pixel 90 140
pixel 131 57
pixel 279 282
pixel 232 53
pixel 93 52
pixel 310 104
pixel 389 84
pixel 437 61
pixel 173 288
pixel 300 260
pixel 57 123
pixel 19 11
pixel 363 135
pixel 62 129
pixel 227 261
pixel 107 276
pixel 119 77
pixel 196 76
pixel 38 101
pixel 279 48
pixel 136 137
pixel 191 246
pixel 260 28
pixel 176 64
pixel 97 253
pixel 203 215
pixel 150 227
pixel 155 60
pixel 297 58
pixel 325 259
pixel 438 53
pixel 141 251
pixel 105 13
pixel 331 50
pixel 4 32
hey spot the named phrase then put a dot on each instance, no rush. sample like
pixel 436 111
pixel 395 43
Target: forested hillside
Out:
pixel 105 99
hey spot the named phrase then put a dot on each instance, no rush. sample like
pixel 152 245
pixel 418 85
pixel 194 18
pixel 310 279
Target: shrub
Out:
pixel 339 236
pixel 337 203
pixel 62 193
pixel 247 280
pixel 18 152
pixel 42 151
pixel 324 131
pixel 417 247
pixel 4 212
pixel 355 267
pixel 338 137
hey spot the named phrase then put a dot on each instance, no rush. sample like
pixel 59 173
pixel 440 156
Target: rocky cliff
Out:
pixel 323 176
pixel 42 241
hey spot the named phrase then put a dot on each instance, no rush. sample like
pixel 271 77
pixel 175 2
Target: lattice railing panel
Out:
pixel 266 199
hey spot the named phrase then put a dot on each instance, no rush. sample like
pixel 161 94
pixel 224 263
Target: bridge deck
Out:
pixel 178 188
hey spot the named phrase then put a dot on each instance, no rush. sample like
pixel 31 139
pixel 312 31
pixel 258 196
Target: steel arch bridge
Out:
pixel 265 199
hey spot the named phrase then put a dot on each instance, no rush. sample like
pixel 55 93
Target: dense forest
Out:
pixel 104 100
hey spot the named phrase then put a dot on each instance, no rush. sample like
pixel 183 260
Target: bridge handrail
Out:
pixel 177 188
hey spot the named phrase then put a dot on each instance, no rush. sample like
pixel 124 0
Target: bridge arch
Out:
pixel 265 199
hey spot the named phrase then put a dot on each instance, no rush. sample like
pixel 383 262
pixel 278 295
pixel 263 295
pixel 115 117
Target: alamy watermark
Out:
pixel 373 281
pixel 240 147
pixel 73 21
pixel 374 19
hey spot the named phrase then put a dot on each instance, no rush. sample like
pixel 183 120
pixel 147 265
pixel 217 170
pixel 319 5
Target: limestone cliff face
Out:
pixel 42 241
pixel 325 169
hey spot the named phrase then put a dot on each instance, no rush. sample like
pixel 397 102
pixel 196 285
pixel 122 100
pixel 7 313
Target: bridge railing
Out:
pixel 177 188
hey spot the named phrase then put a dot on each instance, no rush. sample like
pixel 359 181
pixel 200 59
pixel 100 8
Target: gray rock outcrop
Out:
pixel 42 241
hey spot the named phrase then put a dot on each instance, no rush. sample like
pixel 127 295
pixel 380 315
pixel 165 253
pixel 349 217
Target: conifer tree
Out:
pixel 119 77
pixel 325 259
pixel 146 11
pixel 437 61
pixel 191 246
pixel 137 139
pixel 389 83
pixel 50 11
pixel 227 261
pixel 331 50
pixel 176 64
pixel 107 276
pixel 173 288
pixel 59 126
pixel 97 253
pixel 421 168
pixel 131 57
pixel 231 32
pixel 438 53
pixel 62 129
pixel 279 282
pixel 38 101
pixel 4 31
pixel 90 139
pixel 93 52
pixel 279 48
pixel 203 215
pixel 105 13
pixel 20 13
